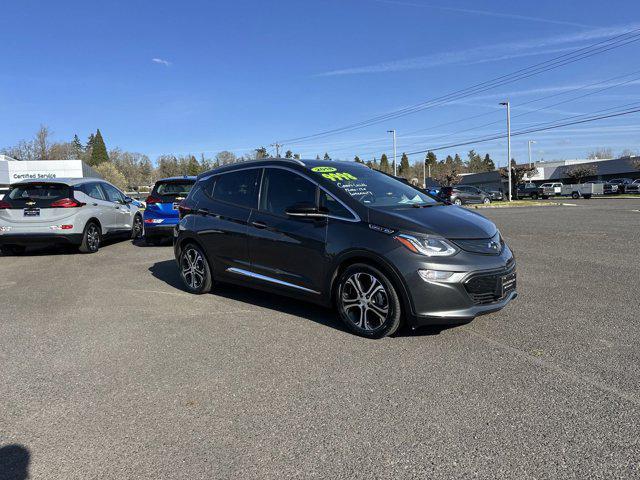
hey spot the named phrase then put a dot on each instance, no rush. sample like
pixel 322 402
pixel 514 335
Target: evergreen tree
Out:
pixel 357 159
pixel 78 148
pixel 193 166
pixel 326 156
pixel 431 159
pixel 405 168
pixel 375 164
pixel 488 164
pixel 369 164
pixel 288 154
pixel 458 161
pixel 90 141
pixel 474 162
pixel 261 153
pixel 384 163
pixel 317 157
pixel 98 150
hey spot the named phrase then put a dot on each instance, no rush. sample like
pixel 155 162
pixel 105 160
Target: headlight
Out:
pixel 428 245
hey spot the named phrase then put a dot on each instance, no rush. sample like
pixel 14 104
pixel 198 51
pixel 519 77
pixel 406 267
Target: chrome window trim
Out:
pixel 258 276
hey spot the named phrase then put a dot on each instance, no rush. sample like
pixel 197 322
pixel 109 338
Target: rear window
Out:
pixel 174 189
pixel 37 194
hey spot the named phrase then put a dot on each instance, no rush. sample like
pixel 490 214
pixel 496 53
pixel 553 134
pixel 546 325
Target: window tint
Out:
pixel 239 188
pixel 282 189
pixel 93 190
pixel 43 194
pixel 175 189
pixel 113 195
pixel 333 206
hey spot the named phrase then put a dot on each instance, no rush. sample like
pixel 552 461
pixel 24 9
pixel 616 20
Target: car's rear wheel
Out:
pixel 534 196
pixel 137 230
pixel 91 238
pixel 457 201
pixel 194 270
pixel 367 302
pixel 486 200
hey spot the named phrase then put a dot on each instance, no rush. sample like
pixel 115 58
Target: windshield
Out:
pixel 177 189
pixel 373 188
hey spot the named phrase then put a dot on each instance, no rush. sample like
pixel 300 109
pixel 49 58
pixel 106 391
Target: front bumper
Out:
pixel 25 239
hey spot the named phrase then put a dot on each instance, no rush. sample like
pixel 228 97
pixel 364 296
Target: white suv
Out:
pixel 77 211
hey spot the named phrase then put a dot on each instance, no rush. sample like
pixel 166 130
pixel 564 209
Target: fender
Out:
pixel 359 254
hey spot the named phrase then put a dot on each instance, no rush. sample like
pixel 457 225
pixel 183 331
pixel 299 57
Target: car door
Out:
pixel 122 210
pixel 102 209
pixel 224 203
pixel 284 249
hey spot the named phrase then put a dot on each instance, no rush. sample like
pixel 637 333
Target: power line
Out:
pixel 556 62
pixel 528 131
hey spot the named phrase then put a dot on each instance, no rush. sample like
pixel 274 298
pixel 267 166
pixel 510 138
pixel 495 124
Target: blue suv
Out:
pixel 161 214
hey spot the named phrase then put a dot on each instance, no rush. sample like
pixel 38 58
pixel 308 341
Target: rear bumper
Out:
pixel 159 230
pixel 24 239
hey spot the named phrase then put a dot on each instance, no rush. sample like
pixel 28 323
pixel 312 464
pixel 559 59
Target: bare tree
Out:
pixel 600 153
pixel 579 173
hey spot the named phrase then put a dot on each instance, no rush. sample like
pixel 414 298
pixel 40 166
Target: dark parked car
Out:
pixel 339 233
pixel 496 195
pixel 528 190
pixel 633 187
pixel 464 194
pixel 621 183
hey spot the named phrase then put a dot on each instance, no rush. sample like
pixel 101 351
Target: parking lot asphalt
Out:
pixel 109 370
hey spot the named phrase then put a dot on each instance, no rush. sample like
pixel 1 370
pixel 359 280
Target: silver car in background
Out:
pixel 73 211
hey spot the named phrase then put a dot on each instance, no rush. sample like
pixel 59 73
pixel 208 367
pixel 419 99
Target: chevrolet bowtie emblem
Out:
pixel 31 203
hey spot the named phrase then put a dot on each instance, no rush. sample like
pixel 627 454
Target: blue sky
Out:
pixel 202 76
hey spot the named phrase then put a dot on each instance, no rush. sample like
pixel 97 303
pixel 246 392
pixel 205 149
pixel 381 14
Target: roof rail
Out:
pixel 295 160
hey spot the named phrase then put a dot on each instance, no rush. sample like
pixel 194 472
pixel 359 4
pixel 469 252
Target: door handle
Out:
pixel 260 225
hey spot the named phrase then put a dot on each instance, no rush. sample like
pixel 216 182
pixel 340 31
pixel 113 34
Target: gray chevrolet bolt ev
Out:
pixel 339 233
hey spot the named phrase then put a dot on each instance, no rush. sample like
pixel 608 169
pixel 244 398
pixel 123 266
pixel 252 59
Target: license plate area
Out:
pixel 31 212
pixel 175 205
pixel 508 283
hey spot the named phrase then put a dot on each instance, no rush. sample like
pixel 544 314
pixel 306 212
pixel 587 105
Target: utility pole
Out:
pixel 529 144
pixel 508 105
pixel 395 169
pixel 277 145
pixel 424 173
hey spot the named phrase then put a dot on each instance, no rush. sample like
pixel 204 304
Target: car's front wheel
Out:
pixel 367 302
pixel 457 201
pixel 486 200
pixel 91 238
pixel 194 270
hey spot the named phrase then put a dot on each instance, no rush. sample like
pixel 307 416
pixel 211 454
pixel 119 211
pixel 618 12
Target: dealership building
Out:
pixel 12 170
pixel 557 171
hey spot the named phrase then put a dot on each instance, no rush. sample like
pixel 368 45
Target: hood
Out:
pixel 448 221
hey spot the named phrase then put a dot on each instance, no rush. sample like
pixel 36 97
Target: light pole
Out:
pixel 395 170
pixel 529 144
pixel 508 105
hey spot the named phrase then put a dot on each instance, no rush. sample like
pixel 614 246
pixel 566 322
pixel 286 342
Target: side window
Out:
pixel 93 190
pixel 239 188
pixel 282 189
pixel 333 206
pixel 113 195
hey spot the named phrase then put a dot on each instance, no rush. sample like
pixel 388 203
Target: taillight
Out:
pixel 183 209
pixel 152 199
pixel 4 205
pixel 67 203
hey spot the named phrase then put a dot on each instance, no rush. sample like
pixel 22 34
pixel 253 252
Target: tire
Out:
pixel 534 196
pixel 91 238
pixel 575 195
pixel 137 229
pixel 486 200
pixel 587 196
pixel 358 288
pixel 194 270
pixel 457 201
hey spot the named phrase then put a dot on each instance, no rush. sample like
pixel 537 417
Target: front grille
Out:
pixel 490 287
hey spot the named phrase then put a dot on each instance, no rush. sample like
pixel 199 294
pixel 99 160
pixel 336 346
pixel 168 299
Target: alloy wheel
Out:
pixel 364 301
pixel 93 238
pixel 193 269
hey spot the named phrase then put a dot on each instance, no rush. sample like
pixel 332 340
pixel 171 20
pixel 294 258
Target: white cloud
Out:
pixel 161 61
pixel 490 53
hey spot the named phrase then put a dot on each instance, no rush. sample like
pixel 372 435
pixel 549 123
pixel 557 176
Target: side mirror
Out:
pixel 128 200
pixel 305 209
